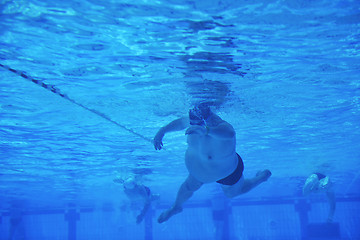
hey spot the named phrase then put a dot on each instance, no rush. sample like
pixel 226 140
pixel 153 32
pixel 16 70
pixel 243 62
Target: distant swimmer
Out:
pixel 210 157
pixel 320 183
pixel 138 194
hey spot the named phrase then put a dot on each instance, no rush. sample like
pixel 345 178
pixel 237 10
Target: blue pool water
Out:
pixel 85 85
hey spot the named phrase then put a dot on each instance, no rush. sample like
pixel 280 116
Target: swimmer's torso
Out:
pixel 209 159
pixel 137 194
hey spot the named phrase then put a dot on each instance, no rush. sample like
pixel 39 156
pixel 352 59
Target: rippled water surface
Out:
pixel 285 74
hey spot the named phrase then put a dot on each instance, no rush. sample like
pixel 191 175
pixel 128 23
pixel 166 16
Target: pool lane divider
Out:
pixel 57 91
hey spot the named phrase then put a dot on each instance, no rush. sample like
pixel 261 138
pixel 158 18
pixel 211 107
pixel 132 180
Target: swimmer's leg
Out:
pixel 245 185
pixel 251 183
pixel 185 192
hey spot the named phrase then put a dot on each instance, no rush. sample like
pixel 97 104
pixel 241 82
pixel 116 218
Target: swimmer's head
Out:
pixel 129 183
pixel 199 114
pixel 311 184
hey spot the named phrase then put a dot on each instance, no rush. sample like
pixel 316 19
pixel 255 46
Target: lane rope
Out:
pixel 57 91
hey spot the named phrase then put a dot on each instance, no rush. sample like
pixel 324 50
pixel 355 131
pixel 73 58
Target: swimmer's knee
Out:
pixel 192 187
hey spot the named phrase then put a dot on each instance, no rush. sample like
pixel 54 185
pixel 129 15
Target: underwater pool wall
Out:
pixel 220 218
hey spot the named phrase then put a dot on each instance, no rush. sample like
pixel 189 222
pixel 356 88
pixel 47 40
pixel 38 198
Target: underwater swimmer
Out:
pixel 138 194
pixel 210 157
pixel 320 183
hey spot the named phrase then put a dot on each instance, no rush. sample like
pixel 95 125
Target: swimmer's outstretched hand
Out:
pixel 158 140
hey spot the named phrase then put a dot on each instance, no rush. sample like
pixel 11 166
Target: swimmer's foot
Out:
pixel 263 175
pixel 164 216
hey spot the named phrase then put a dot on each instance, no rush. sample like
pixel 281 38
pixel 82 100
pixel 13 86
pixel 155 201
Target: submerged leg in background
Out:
pixel 185 192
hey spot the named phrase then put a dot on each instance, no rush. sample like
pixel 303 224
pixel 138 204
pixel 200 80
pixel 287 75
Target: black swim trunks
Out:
pixel 235 176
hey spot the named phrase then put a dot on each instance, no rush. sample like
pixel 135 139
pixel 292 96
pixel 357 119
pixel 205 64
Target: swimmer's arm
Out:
pixel 176 125
pixel 223 130
pixel 141 216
